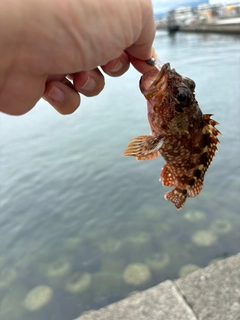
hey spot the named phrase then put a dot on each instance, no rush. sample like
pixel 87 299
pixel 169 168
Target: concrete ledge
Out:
pixel 212 293
pixel 231 28
pixel 158 303
pixel 219 28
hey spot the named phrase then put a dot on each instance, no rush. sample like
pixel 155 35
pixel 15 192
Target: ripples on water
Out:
pixel 68 198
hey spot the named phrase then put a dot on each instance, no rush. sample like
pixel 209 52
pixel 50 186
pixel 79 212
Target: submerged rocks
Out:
pixel 194 216
pixel 137 274
pixel 37 298
pixel 78 282
pixel 158 261
pixel 204 238
pixel 220 227
pixel 111 245
pixel 58 269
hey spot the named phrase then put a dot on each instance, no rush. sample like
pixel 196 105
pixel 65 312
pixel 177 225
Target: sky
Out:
pixel 163 6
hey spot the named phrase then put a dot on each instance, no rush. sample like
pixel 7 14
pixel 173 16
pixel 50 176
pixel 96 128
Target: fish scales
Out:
pixel 186 138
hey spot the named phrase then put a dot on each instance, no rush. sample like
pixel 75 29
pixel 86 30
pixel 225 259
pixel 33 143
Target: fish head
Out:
pixel 171 100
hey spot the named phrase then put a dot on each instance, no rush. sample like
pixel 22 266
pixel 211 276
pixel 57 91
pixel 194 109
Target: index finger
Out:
pixel 142 47
pixel 141 65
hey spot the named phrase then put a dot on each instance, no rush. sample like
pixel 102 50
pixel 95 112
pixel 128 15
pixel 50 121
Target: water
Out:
pixel 69 199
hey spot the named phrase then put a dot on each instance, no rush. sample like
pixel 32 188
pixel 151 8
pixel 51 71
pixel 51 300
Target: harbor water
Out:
pixel 80 225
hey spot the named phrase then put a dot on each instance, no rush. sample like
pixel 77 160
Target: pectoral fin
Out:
pixel 149 157
pixel 144 147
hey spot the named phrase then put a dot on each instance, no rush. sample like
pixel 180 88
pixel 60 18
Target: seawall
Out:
pixel 212 293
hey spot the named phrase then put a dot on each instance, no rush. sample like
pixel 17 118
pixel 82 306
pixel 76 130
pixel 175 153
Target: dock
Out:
pixel 219 26
pixel 212 293
pixel 231 26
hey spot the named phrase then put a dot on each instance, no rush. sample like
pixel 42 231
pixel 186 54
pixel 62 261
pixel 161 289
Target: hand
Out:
pixel 46 43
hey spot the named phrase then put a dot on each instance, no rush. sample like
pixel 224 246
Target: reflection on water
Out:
pixel 80 225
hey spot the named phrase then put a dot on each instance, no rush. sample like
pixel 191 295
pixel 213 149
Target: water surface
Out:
pixel 68 197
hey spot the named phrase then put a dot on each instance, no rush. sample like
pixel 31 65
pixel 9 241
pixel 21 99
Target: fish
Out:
pixel 185 137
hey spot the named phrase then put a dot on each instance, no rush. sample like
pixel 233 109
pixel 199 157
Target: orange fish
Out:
pixel 186 138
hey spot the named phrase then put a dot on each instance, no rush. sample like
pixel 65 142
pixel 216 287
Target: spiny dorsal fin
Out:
pixel 210 130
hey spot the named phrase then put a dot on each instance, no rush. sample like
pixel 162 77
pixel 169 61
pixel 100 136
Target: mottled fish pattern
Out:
pixel 186 138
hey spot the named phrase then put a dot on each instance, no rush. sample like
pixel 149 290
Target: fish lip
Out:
pixel 154 80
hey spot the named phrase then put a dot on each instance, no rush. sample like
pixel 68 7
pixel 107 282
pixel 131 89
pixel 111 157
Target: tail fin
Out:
pixel 177 197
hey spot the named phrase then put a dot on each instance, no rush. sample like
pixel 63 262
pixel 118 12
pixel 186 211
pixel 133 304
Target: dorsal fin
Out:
pixel 212 132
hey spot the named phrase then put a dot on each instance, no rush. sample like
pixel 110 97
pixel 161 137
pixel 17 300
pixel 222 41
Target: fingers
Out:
pixel 90 83
pixel 62 96
pixel 141 65
pixel 118 66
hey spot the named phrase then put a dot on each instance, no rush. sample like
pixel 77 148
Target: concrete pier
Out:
pixel 212 293
pixel 231 26
pixel 212 27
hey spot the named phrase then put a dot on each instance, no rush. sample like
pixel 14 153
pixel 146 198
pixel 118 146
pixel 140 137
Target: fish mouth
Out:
pixel 154 81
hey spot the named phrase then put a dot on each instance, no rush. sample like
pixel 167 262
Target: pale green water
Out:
pixel 67 195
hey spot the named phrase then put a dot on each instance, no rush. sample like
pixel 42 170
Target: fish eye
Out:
pixel 181 97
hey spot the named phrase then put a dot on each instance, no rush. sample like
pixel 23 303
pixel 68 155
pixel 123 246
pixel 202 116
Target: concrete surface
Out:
pixel 214 27
pixel 212 293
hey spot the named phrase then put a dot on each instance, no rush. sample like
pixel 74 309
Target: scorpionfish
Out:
pixel 186 138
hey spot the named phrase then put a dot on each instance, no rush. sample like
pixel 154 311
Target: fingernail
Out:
pixel 56 94
pixel 90 84
pixel 117 67
pixel 151 61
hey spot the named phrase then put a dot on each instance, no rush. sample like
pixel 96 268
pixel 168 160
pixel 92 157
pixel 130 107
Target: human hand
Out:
pixel 69 39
